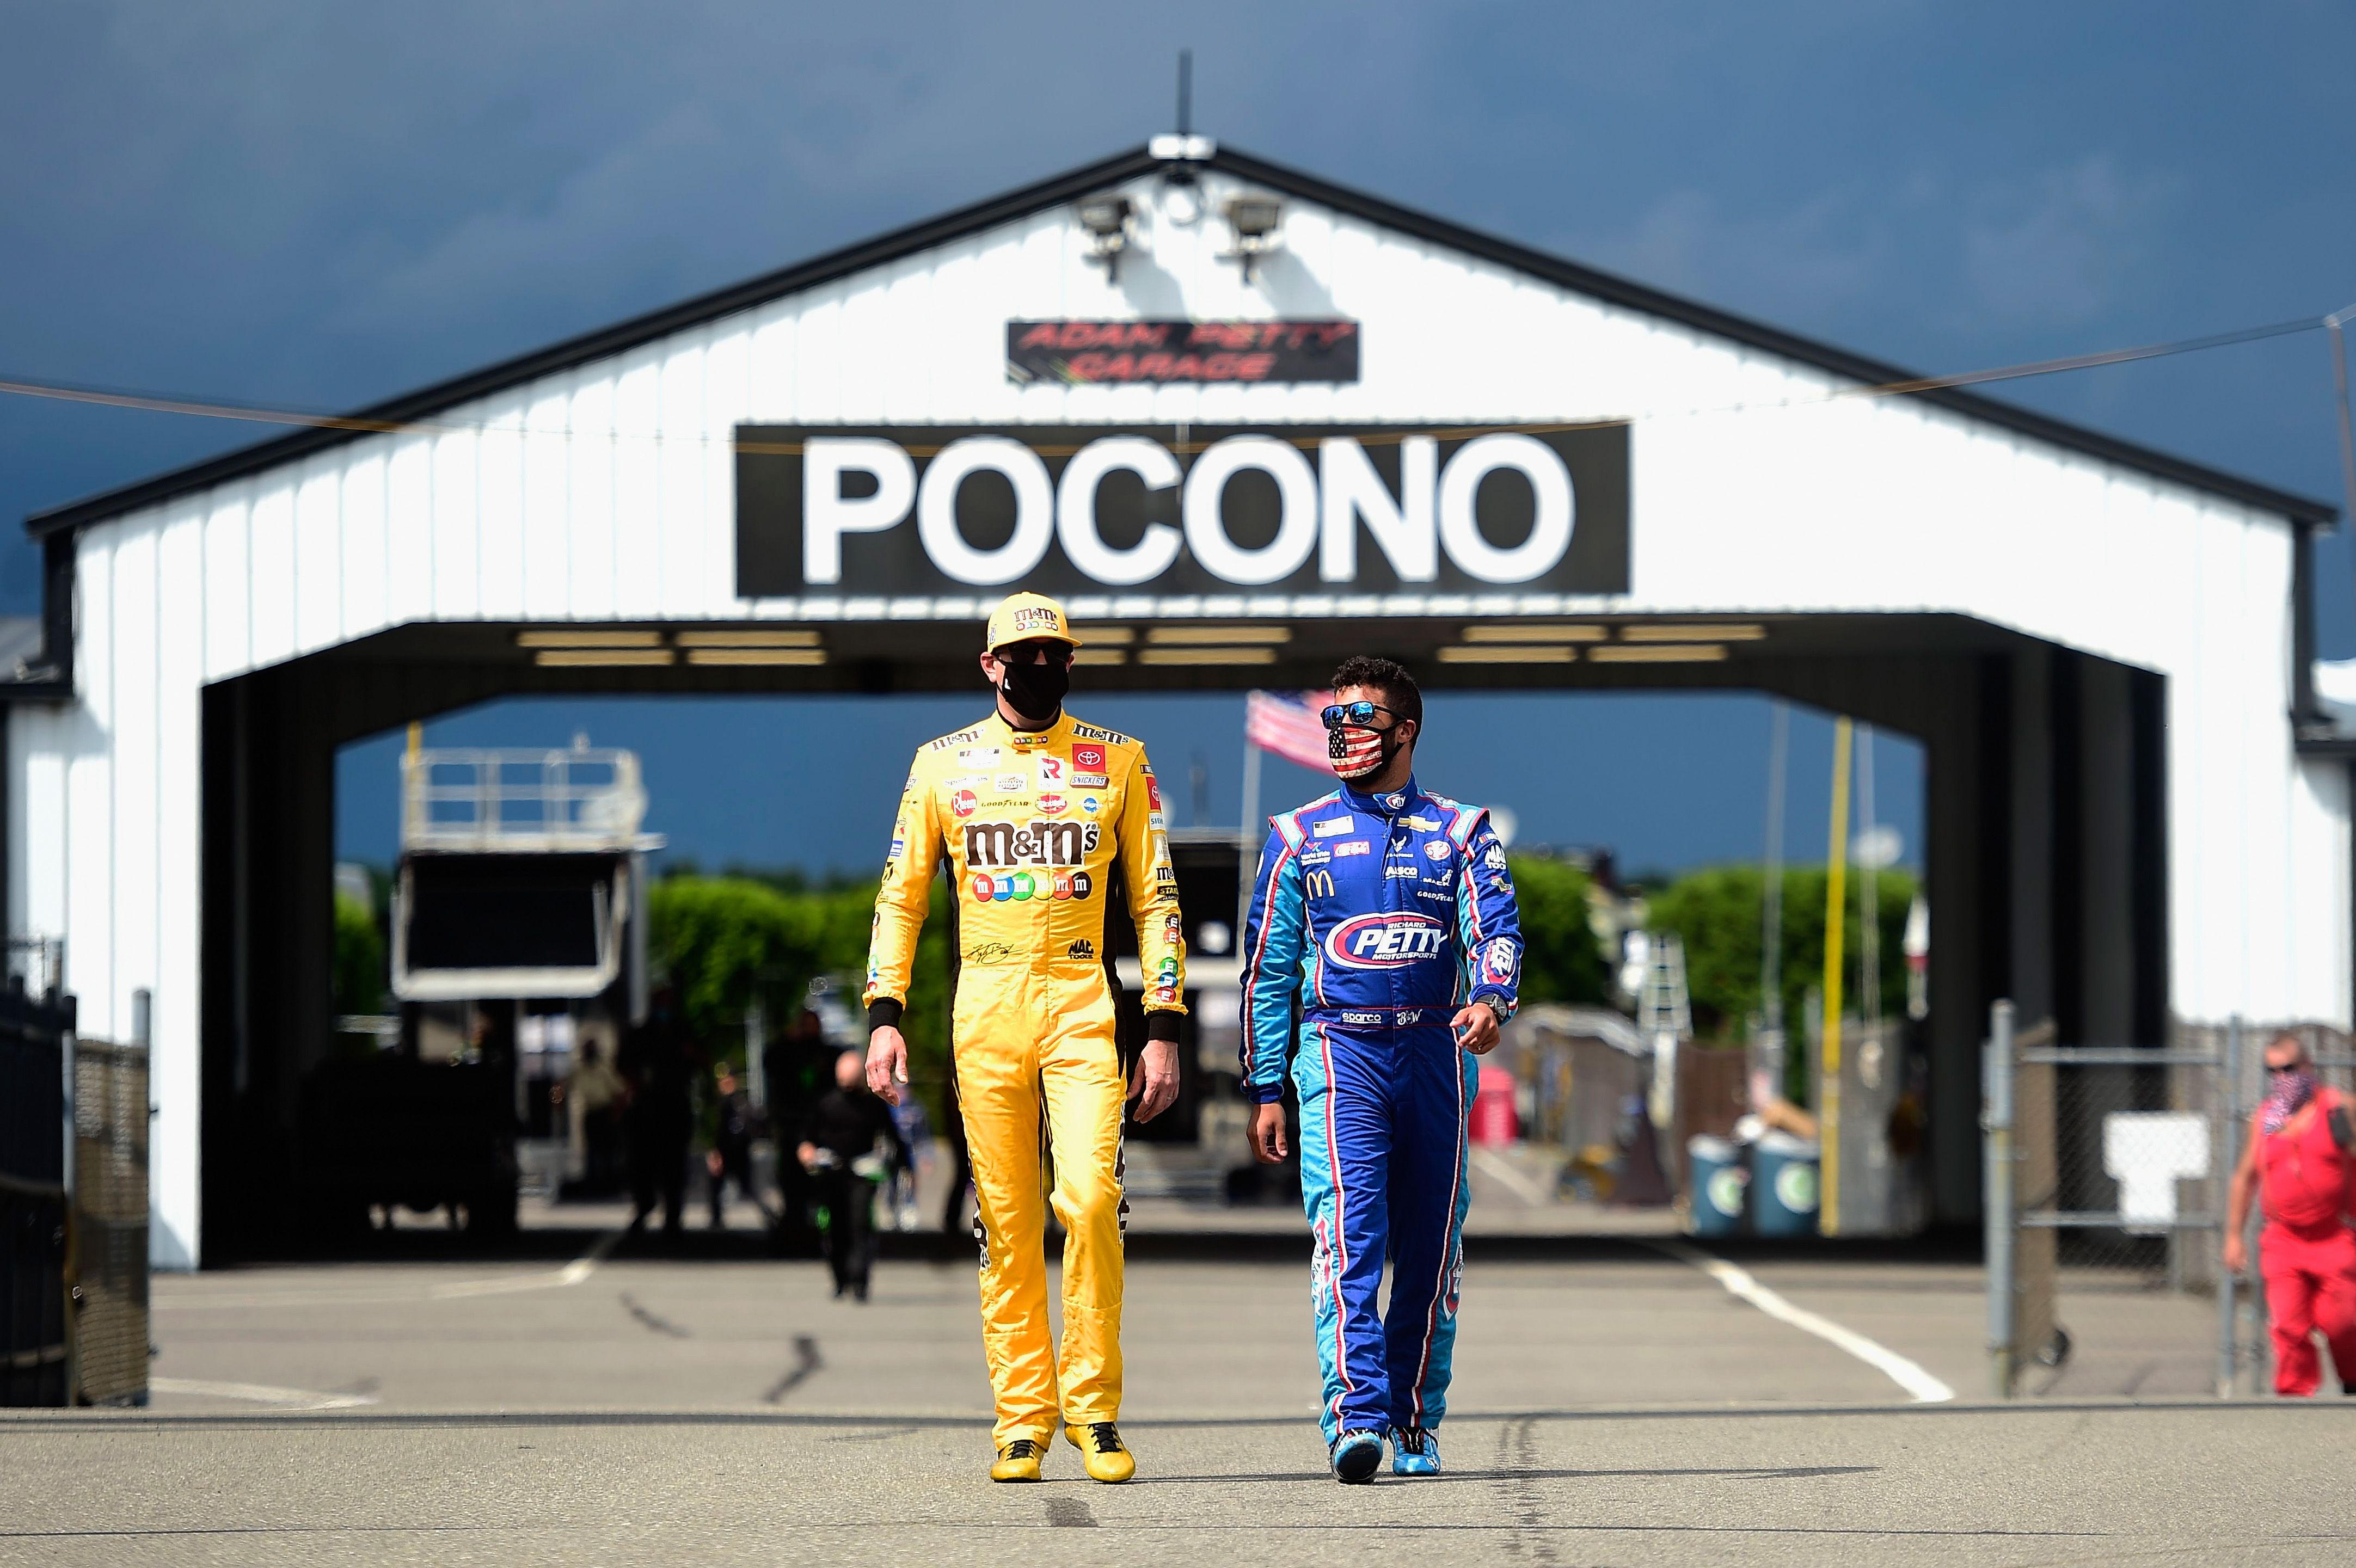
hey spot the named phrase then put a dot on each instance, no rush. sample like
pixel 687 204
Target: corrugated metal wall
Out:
pixel 606 491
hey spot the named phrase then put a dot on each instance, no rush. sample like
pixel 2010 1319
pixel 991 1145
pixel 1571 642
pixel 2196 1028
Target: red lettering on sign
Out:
pixel 1254 367
pixel 1042 336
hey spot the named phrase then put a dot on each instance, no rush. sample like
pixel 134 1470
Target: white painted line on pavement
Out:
pixel 1499 1170
pixel 1908 1375
pixel 574 1273
pixel 263 1394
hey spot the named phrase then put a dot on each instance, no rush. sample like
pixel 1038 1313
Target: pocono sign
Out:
pixel 916 509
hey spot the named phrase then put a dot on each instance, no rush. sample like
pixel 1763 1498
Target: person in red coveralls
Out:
pixel 2299 1158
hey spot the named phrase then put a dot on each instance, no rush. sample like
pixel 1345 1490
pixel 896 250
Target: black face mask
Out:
pixel 1036 689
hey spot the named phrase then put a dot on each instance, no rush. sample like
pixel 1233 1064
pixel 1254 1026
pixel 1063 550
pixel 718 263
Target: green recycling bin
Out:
pixel 1714 1203
pixel 1784 1186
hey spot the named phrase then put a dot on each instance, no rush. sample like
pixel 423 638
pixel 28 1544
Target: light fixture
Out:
pixel 1535 633
pixel 588 638
pixel 1675 634
pixel 1206 655
pixel 1100 657
pixel 1659 652
pixel 757 655
pixel 1106 217
pixel 1219 635
pixel 1509 652
pixel 1255 220
pixel 1106 636
pixel 747 639
pixel 574 657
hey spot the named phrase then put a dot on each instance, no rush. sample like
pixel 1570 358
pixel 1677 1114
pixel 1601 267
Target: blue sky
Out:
pixel 312 206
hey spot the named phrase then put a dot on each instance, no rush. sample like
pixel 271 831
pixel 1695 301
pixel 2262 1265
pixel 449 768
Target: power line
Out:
pixel 224 408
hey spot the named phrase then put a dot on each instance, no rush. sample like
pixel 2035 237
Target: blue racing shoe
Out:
pixel 1415 1452
pixel 1355 1455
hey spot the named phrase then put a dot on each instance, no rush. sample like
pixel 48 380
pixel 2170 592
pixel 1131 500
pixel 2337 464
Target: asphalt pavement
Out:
pixel 1612 1405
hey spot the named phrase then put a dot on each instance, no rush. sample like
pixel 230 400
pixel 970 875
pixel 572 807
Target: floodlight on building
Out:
pixel 749 637
pixel 1254 220
pixel 1106 219
pixel 1206 655
pixel 591 657
pixel 804 657
pixel 1509 652
pixel 1673 631
pixel 1537 633
pixel 590 637
pixel 1219 636
pixel 1659 652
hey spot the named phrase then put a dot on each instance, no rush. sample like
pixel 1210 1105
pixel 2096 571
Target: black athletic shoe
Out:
pixel 1356 1456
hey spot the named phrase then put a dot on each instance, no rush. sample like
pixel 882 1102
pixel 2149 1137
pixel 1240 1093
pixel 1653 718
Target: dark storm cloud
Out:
pixel 323 205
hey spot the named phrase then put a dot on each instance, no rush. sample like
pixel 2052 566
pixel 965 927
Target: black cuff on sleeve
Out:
pixel 1161 1026
pixel 883 1012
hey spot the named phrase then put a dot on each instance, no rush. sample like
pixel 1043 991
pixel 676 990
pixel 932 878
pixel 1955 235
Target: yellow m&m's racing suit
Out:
pixel 1031 822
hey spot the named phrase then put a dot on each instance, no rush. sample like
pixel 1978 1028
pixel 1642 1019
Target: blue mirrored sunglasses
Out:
pixel 1355 715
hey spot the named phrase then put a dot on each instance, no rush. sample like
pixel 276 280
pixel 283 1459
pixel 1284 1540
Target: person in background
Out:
pixel 915 1132
pixel 850 1130
pixel 592 1098
pixel 2298 1161
pixel 961 1164
pixel 730 1156
pixel 1383 918
pixel 658 1062
pixel 800 1069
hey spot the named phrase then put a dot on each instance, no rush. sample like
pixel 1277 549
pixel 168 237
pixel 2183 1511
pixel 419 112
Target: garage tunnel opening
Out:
pixel 1622 800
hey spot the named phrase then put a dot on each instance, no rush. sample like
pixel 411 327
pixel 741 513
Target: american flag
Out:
pixel 1289 725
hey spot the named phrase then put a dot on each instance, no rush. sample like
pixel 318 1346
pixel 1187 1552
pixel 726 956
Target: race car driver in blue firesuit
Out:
pixel 1389 914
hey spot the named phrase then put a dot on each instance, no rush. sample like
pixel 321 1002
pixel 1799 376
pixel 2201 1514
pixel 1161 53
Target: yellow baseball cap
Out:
pixel 1026 615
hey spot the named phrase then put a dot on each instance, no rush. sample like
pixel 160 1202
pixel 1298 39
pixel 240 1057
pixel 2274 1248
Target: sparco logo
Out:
pixel 1385 940
pixel 1038 844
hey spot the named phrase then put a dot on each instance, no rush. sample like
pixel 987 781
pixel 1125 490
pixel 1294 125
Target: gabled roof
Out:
pixel 1069 186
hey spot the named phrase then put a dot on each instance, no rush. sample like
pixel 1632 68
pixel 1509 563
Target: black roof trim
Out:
pixel 1069 186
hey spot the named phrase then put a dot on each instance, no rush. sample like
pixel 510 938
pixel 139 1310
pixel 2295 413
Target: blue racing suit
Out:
pixel 1383 915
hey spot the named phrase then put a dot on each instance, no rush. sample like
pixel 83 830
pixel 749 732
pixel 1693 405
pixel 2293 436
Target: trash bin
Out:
pixel 1715 1167
pixel 1784 1189
pixel 1495 1120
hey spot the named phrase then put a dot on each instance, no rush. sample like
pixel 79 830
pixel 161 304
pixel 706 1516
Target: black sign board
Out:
pixel 1185 353
pixel 840 510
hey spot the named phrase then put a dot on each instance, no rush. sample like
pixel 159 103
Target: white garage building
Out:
pixel 1245 419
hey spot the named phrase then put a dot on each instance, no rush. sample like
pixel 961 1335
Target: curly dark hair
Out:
pixel 1400 694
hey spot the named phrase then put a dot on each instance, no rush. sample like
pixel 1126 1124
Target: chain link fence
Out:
pixel 107 1266
pixel 2107 1173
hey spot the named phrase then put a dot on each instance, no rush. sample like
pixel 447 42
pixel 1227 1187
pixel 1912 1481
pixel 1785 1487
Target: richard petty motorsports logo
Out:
pixel 1057 848
pixel 1386 940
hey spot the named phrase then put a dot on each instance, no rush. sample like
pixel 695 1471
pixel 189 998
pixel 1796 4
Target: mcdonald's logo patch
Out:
pixel 1319 884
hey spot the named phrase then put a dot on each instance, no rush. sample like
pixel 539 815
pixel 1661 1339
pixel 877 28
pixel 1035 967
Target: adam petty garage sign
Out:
pixel 915 510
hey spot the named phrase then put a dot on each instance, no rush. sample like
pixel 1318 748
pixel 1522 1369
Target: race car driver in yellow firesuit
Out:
pixel 1033 809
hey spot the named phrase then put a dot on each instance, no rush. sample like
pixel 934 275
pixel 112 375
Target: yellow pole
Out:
pixel 409 781
pixel 1835 897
